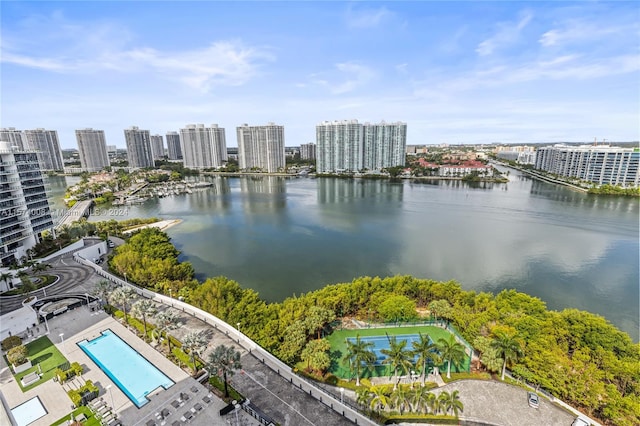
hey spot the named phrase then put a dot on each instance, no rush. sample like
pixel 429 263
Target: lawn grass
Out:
pixel 43 352
pixel 337 339
pixel 91 418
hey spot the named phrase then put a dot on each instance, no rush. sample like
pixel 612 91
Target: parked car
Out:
pixel 534 399
pixel 111 244
pixel 580 422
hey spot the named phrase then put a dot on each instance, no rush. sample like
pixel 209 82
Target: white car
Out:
pixel 534 400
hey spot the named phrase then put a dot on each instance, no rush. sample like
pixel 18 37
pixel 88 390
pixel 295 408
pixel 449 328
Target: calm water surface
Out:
pixel 284 236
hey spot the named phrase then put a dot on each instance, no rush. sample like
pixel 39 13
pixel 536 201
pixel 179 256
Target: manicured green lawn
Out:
pixel 339 348
pixel 43 352
pixel 91 418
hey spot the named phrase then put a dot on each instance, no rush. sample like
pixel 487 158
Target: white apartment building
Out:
pixel 348 146
pixel 24 208
pixel 92 147
pixel 157 147
pixel 173 146
pixel 203 147
pixel 139 152
pixel 48 146
pixel 13 136
pixel 598 164
pixel 261 147
pixel 308 151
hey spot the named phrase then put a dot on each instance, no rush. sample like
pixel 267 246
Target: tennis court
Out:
pixel 383 342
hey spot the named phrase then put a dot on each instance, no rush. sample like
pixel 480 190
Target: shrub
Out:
pixel 77 369
pixel 11 342
pixel 17 355
pixel 77 395
pixel 61 375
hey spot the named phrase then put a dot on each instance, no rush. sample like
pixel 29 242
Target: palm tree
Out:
pixel 451 351
pixel 442 401
pixel 427 352
pixel 167 321
pixel 400 398
pixel 359 352
pixel 5 277
pixel 397 357
pixel 363 396
pixel 507 347
pixel 379 400
pixel 433 403
pixel 124 296
pixel 103 289
pixel 451 401
pixel 419 399
pixel 194 342
pixel 225 360
pixel 142 309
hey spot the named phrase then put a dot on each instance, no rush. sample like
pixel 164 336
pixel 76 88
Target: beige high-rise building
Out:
pixel 261 147
pixel 92 147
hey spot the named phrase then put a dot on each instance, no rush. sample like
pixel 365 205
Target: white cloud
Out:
pixel 575 31
pixel 93 48
pixel 507 34
pixel 357 76
pixel 366 18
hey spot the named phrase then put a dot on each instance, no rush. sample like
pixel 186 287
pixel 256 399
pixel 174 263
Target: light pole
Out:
pixel 113 406
pixel 341 395
pixel 239 335
pixel 64 349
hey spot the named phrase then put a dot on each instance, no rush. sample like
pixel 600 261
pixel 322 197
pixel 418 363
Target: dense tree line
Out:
pixel 575 355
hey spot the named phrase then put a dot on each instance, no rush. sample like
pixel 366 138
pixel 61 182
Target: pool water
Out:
pixel 382 342
pixel 130 371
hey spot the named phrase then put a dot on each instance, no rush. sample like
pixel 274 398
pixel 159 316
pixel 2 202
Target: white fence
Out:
pixel 252 347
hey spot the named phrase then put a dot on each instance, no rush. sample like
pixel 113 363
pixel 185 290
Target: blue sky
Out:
pixel 456 72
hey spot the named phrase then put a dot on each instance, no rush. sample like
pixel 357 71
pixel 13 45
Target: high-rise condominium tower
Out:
pixel 138 148
pixel 203 147
pixel 385 145
pixel 173 146
pixel 157 147
pixel 24 209
pixel 48 147
pixel 13 136
pixel 348 146
pixel 339 146
pixel 261 147
pixel 308 151
pixel 92 147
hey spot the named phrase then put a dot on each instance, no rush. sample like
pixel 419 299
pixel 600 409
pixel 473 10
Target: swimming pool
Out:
pixel 130 371
pixel 382 342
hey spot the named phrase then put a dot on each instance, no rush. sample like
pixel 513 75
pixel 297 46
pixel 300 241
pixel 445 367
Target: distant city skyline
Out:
pixel 460 72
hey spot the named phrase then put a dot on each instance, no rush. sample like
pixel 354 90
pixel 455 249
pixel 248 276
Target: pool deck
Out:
pixel 81 324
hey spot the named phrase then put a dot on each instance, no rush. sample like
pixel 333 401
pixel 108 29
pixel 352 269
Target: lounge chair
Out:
pixel 96 402
pixel 188 415
pixel 206 399
pixel 184 396
pixel 151 422
pixel 194 389
pixel 198 407
pixel 176 423
pixel 165 413
pixel 175 403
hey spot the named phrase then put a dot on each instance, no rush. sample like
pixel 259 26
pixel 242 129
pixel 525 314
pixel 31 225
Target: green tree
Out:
pixel 103 290
pixel 295 338
pixel 5 277
pixel 419 399
pixel 143 309
pixel 124 296
pixel 451 351
pixel 400 398
pixel 397 308
pixel 427 353
pixel 167 321
pixel 224 360
pixel 451 402
pixel 379 399
pixel 398 357
pixel 315 354
pixel 359 353
pixel 363 396
pixel 17 355
pixel 317 318
pixel 507 347
pixel 194 342
pixel 440 309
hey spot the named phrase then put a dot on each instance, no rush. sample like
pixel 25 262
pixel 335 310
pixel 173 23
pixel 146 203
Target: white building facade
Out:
pixel 261 147
pixel 48 146
pixel 203 147
pixel 92 147
pixel 308 151
pixel 348 146
pixel 157 147
pixel 24 208
pixel 598 164
pixel 13 136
